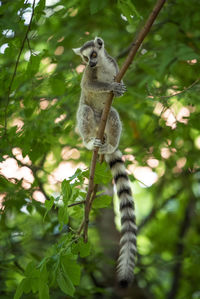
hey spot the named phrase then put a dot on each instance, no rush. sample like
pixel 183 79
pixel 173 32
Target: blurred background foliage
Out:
pixel 40 254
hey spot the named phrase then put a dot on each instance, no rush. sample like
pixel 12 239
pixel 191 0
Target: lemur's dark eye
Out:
pixel 99 41
pixel 85 57
pixel 94 55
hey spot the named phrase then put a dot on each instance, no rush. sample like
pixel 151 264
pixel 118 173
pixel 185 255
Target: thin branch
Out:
pixel 76 203
pixel 85 224
pixel 135 46
pixel 93 196
pixel 29 46
pixel 184 226
pixel 80 228
pixel 15 70
pixel 175 93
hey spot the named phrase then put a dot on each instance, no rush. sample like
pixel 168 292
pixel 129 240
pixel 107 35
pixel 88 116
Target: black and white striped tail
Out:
pixel 127 254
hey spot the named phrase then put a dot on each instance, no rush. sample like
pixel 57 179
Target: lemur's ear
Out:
pixel 77 51
pixel 98 42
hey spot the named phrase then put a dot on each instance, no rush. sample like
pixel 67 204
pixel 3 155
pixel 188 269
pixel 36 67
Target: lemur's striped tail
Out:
pixel 127 254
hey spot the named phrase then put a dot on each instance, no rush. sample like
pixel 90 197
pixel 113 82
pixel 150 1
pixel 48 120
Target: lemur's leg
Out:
pixel 112 134
pixel 86 125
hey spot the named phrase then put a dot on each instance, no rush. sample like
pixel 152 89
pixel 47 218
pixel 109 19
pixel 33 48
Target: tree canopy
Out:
pixel 44 166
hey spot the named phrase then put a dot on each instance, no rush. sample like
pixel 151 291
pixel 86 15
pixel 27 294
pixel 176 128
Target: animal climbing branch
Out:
pixel 134 48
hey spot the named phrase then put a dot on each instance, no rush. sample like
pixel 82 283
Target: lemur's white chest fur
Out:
pixel 106 72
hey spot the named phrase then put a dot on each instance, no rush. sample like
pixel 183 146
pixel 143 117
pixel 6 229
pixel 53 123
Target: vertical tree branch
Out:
pixel 15 69
pixel 135 46
pixel 176 271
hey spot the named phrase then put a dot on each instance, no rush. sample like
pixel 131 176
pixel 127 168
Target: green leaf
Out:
pixel 43 273
pixel 33 65
pixel 167 58
pixel 75 194
pixel 20 289
pixel 63 216
pixel 32 278
pixel 34 284
pixel 102 174
pixel 81 248
pixel 43 290
pixel 130 28
pixel 71 268
pixel 186 53
pixel 79 175
pixel 66 191
pixel 48 205
pixel 43 263
pixel 96 6
pixel 29 208
pixel 58 86
pixel 65 283
pixel 84 248
pixel 102 201
pixel 27 285
pixel 30 269
pixel 129 10
pixel 39 10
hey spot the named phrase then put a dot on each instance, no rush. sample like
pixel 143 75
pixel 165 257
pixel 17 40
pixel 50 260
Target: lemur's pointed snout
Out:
pixel 92 64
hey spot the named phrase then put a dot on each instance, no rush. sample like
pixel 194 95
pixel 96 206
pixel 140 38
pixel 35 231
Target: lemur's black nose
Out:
pixel 92 64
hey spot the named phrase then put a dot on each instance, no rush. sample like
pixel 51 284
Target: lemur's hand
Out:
pixel 99 143
pixel 104 147
pixel 118 89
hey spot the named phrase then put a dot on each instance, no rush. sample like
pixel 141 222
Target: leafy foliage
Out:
pixel 44 167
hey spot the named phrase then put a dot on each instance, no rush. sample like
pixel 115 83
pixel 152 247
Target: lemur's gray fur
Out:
pixel 97 81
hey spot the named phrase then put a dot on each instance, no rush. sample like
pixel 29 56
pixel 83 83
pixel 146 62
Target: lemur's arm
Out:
pixel 96 86
pixel 91 84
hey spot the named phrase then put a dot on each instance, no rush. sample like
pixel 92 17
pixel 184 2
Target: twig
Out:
pixel 80 228
pixel 93 196
pixel 135 46
pixel 15 70
pixel 175 93
pixel 90 201
pixel 76 203
pixel 84 225
pixel 29 46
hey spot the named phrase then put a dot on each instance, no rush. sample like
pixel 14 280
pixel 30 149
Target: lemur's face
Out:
pixel 91 52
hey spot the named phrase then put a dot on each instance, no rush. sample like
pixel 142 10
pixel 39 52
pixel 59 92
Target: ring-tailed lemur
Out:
pixel 97 81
